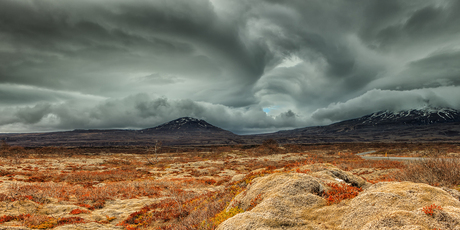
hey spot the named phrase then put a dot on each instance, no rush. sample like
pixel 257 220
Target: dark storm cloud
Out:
pixel 398 24
pixel 107 64
pixel 99 43
pixel 438 69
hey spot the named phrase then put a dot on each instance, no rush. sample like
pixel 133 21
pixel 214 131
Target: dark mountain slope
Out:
pixel 182 131
pixel 187 125
pixel 411 125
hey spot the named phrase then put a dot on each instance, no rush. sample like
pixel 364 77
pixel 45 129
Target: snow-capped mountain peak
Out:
pixel 186 124
pixel 422 116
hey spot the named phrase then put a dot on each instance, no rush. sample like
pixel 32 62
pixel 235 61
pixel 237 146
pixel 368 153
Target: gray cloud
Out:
pixel 381 100
pixel 437 69
pixel 142 111
pixel 99 64
pixel 12 94
pixel 156 78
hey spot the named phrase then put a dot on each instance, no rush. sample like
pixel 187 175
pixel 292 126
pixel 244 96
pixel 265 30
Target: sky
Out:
pixel 248 66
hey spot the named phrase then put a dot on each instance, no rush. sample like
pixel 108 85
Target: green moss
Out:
pixel 222 216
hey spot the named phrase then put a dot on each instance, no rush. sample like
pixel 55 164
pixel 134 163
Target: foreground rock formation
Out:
pixel 294 201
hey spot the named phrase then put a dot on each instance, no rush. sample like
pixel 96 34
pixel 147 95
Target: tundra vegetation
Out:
pixel 204 187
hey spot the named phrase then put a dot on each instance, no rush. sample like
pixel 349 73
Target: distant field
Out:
pixel 177 188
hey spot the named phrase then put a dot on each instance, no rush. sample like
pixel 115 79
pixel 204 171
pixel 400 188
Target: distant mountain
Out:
pixel 187 125
pixel 411 117
pixel 182 131
pixel 429 124
pixel 382 119
pixel 386 119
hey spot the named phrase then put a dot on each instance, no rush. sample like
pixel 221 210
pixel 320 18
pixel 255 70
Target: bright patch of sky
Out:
pixel 290 62
pixel 270 110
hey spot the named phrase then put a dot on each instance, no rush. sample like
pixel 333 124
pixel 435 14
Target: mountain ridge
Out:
pixel 413 116
pixel 427 125
pixel 416 125
pixel 425 116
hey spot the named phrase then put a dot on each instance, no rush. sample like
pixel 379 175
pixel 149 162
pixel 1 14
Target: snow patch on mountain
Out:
pixel 426 115
pixel 187 125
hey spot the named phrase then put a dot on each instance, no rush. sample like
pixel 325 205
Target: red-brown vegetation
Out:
pixel 78 211
pixel 339 192
pixel 429 210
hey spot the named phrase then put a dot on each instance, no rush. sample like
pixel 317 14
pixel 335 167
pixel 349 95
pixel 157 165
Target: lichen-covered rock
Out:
pixel 452 192
pixel 281 199
pixel 256 221
pixel 237 177
pixel 330 173
pixel 91 225
pixel 18 207
pixel 349 178
pixel 399 205
pixel 287 184
pixel 57 210
pixel 290 201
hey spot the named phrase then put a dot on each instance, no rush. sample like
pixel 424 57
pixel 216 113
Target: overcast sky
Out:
pixel 248 66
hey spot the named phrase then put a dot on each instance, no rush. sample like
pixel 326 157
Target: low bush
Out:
pixel 433 171
pixel 429 210
pixel 339 192
pixel 40 221
pixel 78 211
pixel 7 218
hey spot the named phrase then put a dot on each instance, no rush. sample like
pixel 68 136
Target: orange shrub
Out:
pixel 429 210
pixel 78 211
pixel 41 222
pixel 8 218
pixel 254 202
pixel 339 192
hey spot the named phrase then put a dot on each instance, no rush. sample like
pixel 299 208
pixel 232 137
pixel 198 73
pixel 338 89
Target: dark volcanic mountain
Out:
pixel 187 125
pixel 189 131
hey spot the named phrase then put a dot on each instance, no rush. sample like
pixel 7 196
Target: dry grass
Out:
pixel 433 171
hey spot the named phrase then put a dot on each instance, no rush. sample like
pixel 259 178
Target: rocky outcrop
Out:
pixel 281 198
pixel 399 205
pixel 328 172
pixel 294 201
